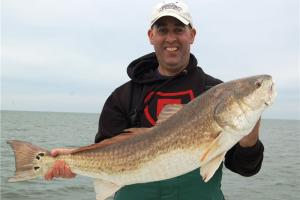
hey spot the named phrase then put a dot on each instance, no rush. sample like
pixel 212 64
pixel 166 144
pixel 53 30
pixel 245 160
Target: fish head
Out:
pixel 242 102
pixel 260 94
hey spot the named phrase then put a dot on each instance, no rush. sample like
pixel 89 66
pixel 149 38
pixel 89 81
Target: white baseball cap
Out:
pixel 173 8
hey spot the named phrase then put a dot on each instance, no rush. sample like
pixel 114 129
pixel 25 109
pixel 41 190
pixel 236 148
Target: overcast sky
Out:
pixel 69 55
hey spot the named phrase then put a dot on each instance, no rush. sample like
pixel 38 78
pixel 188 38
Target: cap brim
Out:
pixel 171 14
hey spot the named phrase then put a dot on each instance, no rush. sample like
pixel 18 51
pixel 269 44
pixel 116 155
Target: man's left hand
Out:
pixel 251 139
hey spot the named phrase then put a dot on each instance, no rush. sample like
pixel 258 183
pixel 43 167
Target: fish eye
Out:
pixel 258 84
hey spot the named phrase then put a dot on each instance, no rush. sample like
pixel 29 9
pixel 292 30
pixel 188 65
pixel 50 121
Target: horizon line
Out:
pixel 82 112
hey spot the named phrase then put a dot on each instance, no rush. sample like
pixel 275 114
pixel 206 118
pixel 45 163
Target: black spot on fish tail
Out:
pixel 38 157
pixel 41 154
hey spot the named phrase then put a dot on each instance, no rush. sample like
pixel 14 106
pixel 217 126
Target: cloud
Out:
pixel 37 61
pixel 59 102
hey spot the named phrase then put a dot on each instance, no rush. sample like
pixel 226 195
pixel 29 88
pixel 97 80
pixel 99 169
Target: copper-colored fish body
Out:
pixel 185 137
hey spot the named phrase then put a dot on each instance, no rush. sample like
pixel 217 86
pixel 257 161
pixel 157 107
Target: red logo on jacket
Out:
pixel 162 98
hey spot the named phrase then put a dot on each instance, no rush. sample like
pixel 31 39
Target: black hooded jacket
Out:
pixel 138 102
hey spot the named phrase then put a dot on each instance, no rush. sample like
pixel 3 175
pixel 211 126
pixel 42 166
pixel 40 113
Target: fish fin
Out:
pixel 128 133
pixel 27 156
pixel 104 189
pixel 168 111
pixel 223 142
pixel 208 170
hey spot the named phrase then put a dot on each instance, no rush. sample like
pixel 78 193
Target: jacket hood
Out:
pixel 142 70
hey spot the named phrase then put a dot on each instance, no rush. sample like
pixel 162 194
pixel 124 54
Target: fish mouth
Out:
pixel 272 94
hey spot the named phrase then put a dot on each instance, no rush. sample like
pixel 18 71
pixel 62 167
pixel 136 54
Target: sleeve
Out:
pixel 113 118
pixel 245 161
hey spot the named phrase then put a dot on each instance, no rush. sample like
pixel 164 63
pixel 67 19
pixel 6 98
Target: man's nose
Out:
pixel 171 36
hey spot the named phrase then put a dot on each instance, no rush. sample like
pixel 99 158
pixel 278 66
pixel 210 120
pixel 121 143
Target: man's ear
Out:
pixel 150 36
pixel 193 35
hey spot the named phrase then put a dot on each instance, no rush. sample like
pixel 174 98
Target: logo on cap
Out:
pixel 170 6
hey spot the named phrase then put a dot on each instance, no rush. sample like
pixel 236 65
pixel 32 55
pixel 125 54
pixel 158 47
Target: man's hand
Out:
pixel 251 139
pixel 60 168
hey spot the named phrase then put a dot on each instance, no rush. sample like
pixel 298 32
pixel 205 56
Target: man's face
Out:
pixel 171 40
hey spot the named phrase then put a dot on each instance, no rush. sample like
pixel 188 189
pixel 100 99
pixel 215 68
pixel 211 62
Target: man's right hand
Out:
pixel 60 168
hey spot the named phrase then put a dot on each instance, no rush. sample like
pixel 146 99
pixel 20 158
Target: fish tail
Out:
pixel 27 160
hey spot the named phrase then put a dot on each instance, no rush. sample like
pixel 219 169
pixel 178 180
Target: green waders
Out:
pixel 186 187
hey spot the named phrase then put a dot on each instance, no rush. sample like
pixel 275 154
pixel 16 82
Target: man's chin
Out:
pixel 174 67
pixel 172 62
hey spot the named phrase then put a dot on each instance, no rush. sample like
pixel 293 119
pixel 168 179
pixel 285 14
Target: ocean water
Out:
pixel 279 178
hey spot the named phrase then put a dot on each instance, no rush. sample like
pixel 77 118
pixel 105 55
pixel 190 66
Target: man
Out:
pixel 168 76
